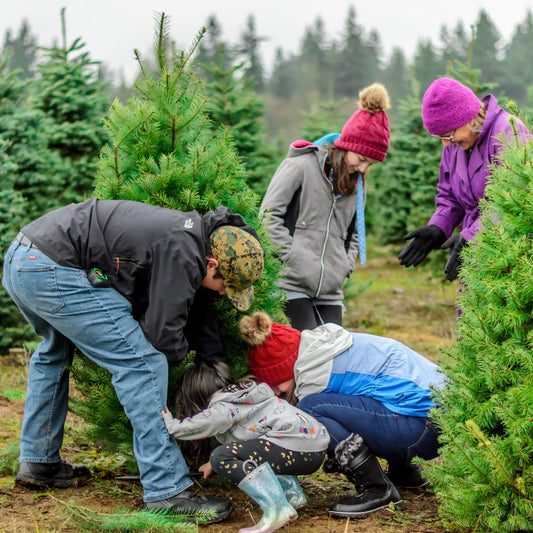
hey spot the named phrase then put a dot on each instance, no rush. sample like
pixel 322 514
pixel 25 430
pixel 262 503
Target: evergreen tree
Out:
pixel 324 117
pixel 485 479
pixel 454 44
pixel 351 73
pixel 212 48
pixel 248 50
pixel 519 52
pixel 427 64
pixel 164 151
pixel 22 50
pixel 284 75
pixel 24 164
pixel 232 102
pixel 313 74
pixel 485 47
pixel 396 78
pixel 373 55
pixel 71 95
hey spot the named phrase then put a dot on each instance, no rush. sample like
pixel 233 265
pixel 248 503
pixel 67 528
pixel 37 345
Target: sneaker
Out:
pixel 59 475
pixel 188 503
pixel 407 476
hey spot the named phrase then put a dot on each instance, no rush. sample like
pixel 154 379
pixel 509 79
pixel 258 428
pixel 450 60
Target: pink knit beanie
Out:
pixel 448 105
pixel 273 348
pixel 367 131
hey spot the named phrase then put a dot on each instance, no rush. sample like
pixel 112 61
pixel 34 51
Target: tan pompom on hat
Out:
pixel 273 348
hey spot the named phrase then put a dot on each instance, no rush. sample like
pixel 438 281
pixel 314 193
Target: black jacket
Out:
pixel 155 257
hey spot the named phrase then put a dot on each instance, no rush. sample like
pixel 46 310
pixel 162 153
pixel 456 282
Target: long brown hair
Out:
pixel 344 183
pixel 200 381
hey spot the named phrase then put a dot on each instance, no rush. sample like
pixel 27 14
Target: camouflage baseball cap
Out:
pixel 240 258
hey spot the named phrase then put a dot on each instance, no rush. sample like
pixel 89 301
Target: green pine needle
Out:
pixel 127 521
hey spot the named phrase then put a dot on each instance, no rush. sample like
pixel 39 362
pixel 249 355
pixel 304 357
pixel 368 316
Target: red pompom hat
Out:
pixel 367 131
pixel 273 348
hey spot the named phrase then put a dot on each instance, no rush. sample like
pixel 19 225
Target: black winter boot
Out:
pixel 361 467
pixel 407 476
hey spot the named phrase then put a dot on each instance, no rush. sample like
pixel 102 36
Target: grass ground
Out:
pixel 405 304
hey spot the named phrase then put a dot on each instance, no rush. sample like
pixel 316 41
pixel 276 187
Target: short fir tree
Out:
pixel 165 151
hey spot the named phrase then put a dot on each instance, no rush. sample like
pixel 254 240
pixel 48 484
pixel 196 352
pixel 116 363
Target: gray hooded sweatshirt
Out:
pixel 318 255
pixel 252 413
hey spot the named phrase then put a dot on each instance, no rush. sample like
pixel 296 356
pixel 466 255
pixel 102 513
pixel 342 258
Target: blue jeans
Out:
pixel 65 310
pixel 396 438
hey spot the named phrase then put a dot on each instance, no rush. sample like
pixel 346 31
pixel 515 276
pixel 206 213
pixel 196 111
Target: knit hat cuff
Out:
pixel 275 374
pixel 368 149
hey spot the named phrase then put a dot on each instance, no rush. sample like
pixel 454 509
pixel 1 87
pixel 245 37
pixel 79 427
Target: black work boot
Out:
pixel 59 475
pixel 188 503
pixel 361 467
pixel 407 476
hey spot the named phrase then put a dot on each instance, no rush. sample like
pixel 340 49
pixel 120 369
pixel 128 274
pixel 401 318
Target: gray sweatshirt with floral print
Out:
pixel 252 413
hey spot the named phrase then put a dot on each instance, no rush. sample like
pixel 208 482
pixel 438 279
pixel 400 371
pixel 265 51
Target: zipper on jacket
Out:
pixel 324 244
pixel 137 263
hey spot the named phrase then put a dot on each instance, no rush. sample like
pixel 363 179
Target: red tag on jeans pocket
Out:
pixel 33 257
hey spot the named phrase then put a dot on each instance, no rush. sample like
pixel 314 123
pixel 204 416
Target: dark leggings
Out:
pixel 303 314
pixel 234 460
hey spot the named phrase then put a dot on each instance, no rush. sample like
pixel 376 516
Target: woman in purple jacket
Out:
pixel 469 129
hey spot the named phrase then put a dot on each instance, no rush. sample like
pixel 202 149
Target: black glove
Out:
pixel 424 240
pixel 455 243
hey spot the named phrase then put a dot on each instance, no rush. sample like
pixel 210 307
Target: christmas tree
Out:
pixel 233 102
pixel 69 92
pixel 26 167
pixel 165 151
pixel 485 479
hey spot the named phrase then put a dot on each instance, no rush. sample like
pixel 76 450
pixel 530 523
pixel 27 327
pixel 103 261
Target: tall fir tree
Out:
pixel 397 80
pixel 248 51
pixel 313 72
pixel 454 44
pixel 351 72
pixel 519 52
pixel 26 166
pixel 70 94
pixel 233 102
pixel 486 47
pixel 282 83
pixel 212 48
pixel 427 64
pixel 22 50
pixel 165 151
pixel 485 478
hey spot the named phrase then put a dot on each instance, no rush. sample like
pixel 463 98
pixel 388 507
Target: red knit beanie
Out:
pixel 367 131
pixel 273 348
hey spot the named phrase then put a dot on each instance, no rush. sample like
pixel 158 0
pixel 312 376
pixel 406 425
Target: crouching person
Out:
pixel 373 394
pixel 133 319
pixel 266 441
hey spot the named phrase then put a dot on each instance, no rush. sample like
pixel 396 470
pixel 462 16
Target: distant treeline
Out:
pixel 332 68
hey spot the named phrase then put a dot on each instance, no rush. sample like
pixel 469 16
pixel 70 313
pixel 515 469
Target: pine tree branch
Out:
pixel 475 430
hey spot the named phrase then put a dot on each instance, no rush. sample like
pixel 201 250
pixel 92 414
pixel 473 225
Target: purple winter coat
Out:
pixel 462 181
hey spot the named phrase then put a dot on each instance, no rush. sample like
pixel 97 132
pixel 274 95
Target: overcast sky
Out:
pixel 111 29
